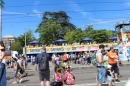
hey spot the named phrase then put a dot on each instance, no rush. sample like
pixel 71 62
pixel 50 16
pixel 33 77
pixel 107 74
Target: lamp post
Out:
pixel 1 6
pixel 25 42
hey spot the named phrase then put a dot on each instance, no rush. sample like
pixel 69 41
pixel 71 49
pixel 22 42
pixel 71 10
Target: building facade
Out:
pixel 8 40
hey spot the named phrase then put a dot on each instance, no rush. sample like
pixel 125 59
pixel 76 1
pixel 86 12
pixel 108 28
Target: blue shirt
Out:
pixel 48 59
pixel 128 51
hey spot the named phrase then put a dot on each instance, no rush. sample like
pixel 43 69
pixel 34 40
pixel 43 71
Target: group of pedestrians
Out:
pixel 19 66
pixel 107 66
pixel 62 74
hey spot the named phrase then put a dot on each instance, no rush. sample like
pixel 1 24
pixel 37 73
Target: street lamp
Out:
pixel 1 6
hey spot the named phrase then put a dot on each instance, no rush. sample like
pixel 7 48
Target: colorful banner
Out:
pixel 58 49
pixel 61 49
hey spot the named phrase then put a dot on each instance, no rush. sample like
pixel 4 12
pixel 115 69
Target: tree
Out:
pixel 49 32
pixel 99 36
pixel 16 46
pixel 89 28
pixel 29 37
pixel 60 18
pixel 75 36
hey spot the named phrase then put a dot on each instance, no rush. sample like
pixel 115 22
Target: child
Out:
pixel 109 74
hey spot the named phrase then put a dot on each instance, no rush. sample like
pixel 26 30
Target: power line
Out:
pixel 72 3
pixel 33 14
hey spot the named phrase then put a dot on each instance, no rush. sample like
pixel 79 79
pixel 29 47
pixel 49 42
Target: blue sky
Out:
pixel 20 14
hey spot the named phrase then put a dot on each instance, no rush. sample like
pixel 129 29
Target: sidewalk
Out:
pixel 75 66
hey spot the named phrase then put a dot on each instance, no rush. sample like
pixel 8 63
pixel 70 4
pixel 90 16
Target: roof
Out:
pixel 9 36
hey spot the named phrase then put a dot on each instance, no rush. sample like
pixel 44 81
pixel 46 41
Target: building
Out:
pixel 7 40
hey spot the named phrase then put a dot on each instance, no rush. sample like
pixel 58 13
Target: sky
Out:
pixel 102 14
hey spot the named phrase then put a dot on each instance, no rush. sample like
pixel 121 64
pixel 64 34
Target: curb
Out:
pixel 77 68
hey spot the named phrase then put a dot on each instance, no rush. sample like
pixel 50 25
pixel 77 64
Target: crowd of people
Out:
pixel 107 64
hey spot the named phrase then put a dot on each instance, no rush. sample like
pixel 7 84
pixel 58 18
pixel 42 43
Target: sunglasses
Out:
pixel 2 49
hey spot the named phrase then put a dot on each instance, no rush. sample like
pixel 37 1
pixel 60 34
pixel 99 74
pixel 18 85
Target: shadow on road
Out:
pixel 106 85
pixel 30 75
pixel 25 81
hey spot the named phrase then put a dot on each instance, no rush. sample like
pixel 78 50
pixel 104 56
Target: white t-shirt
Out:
pixel 99 55
pixel 4 61
pixel 20 62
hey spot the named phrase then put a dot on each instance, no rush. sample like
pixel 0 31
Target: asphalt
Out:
pixel 84 77
pixel 75 66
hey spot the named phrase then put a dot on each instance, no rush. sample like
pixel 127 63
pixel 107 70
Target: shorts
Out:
pixel 114 68
pixel 15 73
pixel 101 75
pixel 44 75
pixel 110 78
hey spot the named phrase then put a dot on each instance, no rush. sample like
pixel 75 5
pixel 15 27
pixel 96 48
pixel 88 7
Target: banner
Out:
pixel 122 52
pixel 58 49
pixel 61 49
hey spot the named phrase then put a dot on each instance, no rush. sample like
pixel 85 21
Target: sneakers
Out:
pixel 14 83
pixel 20 80
pixel 117 80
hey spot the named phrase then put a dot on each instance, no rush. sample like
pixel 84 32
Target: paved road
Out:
pixel 84 77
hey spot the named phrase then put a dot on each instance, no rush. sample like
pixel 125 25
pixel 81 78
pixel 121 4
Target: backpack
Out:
pixel 94 60
pixel 43 62
pixel 70 79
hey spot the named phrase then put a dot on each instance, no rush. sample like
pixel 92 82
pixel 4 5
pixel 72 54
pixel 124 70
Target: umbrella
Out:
pixel 87 39
pixel 35 42
pixel 60 40
pixel 113 38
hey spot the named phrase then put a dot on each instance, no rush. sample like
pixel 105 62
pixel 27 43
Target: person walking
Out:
pixel 42 63
pixel 3 80
pixel 112 59
pixel 16 69
pixel 101 71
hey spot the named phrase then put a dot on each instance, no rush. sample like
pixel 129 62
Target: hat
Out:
pixel 109 66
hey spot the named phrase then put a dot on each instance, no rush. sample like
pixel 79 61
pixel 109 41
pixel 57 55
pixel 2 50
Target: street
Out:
pixel 84 77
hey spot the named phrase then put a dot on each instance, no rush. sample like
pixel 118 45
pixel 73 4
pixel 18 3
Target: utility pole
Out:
pixel 1 6
pixel 25 42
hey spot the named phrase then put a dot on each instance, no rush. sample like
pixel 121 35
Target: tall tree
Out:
pixel 29 37
pixel 89 28
pixel 99 36
pixel 16 46
pixel 59 17
pixel 49 32
pixel 75 36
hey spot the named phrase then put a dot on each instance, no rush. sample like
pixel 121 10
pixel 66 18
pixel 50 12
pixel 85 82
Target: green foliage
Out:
pixel 29 37
pixel 16 46
pixel 58 25
pixel 49 32
pixel 89 28
pixel 75 36
pixel 100 36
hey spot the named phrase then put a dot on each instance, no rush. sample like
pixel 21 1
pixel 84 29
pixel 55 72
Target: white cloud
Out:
pixel 110 21
pixel 37 13
pixel 105 22
pixel 8 12
pixel 76 7
pixel 36 2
